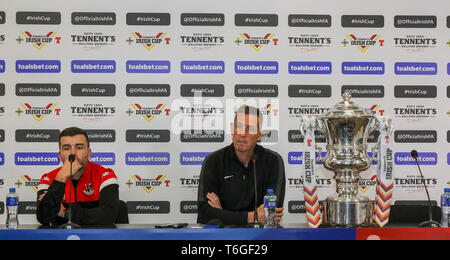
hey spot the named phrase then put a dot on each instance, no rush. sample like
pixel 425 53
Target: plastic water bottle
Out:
pixel 12 205
pixel 445 205
pixel 270 208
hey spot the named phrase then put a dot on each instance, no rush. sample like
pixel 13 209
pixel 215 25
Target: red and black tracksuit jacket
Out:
pixel 95 197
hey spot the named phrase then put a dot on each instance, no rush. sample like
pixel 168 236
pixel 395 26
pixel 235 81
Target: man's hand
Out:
pixel 279 214
pixel 62 210
pixel 214 200
pixel 261 215
pixel 64 173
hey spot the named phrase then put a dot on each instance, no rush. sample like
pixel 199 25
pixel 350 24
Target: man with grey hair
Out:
pixel 226 191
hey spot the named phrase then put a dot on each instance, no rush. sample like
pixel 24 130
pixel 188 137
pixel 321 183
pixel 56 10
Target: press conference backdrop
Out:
pixel 127 71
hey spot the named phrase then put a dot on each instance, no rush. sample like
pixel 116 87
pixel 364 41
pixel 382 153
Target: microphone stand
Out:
pixel 256 223
pixel 69 224
pixel 430 222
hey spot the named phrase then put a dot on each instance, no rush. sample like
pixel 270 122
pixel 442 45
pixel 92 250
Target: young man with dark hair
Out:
pixel 95 190
pixel 226 191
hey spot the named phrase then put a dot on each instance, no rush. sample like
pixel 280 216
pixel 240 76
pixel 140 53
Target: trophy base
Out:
pixel 348 212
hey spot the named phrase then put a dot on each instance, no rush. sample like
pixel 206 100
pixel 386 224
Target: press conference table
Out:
pixel 195 232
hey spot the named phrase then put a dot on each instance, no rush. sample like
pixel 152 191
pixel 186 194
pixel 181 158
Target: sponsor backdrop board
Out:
pixel 156 83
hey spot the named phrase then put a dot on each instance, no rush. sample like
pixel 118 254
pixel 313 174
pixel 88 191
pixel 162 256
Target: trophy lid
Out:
pixel 347 109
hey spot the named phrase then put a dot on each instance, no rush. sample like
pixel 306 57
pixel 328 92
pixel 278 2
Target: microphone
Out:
pixel 430 222
pixel 256 223
pixel 69 224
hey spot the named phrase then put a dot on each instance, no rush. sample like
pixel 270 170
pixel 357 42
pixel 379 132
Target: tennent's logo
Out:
pixel 363 44
pixel 149 185
pixel 39 41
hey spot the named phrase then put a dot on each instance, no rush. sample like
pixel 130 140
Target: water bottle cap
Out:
pixel 447 190
pixel 269 190
pixel 12 190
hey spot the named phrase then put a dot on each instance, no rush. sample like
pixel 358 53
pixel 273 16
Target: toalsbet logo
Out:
pixel 93 66
pixel 38 66
pixel 192 158
pixel 363 68
pixel 104 159
pixel 149 185
pixel 202 67
pixel 256 67
pixel 37 159
pixel 136 159
pixel 39 41
pixel 296 158
pixel 310 68
pixel 423 159
pixel 134 66
pixel 149 41
pixel 414 68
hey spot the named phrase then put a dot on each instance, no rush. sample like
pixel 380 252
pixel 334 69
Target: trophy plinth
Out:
pixel 348 212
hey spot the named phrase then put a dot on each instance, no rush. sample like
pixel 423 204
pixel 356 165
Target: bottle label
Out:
pixel 270 204
pixel 445 201
pixel 11 202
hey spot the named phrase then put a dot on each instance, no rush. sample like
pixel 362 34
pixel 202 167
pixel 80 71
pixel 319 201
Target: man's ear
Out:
pixel 260 134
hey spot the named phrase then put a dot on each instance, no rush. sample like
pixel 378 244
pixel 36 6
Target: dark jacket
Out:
pixel 223 174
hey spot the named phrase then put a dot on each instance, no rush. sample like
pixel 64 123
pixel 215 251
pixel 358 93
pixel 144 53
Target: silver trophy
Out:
pixel 347 127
